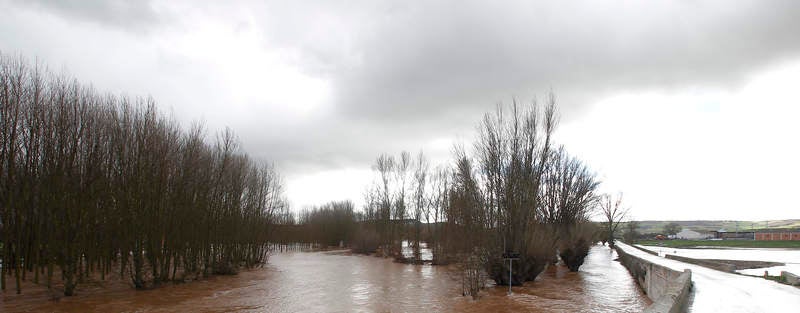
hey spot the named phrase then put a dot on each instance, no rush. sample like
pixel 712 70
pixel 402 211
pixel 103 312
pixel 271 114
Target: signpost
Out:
pixel 510 256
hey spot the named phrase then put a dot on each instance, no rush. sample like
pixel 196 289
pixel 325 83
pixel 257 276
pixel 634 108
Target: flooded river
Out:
pixel 329 282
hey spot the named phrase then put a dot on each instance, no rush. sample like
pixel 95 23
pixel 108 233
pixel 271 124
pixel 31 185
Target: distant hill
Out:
pixel 654 227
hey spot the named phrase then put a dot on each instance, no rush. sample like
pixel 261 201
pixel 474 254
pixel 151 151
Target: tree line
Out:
pixel 331 224
pixel 514 191
pixel 93 182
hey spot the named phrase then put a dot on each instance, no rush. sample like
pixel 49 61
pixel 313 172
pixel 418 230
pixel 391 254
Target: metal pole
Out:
pixel 509 275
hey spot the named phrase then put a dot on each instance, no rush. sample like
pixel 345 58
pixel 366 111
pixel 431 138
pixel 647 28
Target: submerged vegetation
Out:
pixel 91 182
pixel 516 192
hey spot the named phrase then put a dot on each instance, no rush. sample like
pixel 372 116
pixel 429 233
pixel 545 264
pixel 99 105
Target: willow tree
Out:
pixel 568 200
pixel 514 193
pixel 513 150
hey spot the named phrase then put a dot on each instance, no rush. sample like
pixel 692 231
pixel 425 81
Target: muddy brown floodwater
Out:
pixel 329 282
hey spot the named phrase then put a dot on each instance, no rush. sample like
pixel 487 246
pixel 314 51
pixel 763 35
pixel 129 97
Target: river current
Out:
pixel 339 282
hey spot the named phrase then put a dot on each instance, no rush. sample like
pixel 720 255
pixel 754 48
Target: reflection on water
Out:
pixel 601 285
pixel 425 253
pixel 326 282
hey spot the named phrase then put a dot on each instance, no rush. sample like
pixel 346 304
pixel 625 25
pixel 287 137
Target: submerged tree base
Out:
pixel 573 257
pixel 225 268
pixel 526 269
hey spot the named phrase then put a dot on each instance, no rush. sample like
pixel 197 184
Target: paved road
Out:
pixel 716 291
pixel 790 257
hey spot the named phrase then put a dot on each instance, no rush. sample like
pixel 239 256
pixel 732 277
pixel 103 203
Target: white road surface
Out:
pixel 790 257
pixel 715 291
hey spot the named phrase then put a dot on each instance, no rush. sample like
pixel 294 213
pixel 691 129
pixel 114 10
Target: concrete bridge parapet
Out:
pixel 669 289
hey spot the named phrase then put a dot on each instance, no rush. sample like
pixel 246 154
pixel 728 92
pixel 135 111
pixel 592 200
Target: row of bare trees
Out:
pixel 330 224
pixel 400 200
pixel 333 224
pixel 515 191
pixel 92 182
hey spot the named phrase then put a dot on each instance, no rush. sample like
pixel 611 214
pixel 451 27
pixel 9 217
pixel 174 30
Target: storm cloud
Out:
pixel 316 85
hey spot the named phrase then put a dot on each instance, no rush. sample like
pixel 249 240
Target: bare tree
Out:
pixel 516 193
pixel 513 152
pixel 435 216
pixel 384 166
pixel 330 224
pixel 400 206
pixel 672 228
pixel 567 202
pixel 421 201
pixel 631 232
pixel 89 180
pixel 614 213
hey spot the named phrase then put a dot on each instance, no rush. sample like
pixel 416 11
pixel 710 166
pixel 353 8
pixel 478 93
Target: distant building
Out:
pixel 777 234
pixel 690 234
pixel 737 235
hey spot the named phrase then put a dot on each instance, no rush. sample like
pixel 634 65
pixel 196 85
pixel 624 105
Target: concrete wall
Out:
pixel 790 278
pixel 720 266
pixel 645 250
pixel 669 289
pixel 730 266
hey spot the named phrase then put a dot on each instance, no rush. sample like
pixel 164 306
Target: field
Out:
pixel 721 243
pixel 657 227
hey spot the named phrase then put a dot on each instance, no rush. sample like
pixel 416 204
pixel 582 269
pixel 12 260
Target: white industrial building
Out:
pixel 690 234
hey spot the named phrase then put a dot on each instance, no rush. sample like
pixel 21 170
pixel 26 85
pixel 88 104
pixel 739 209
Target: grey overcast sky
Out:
pixel 690 108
